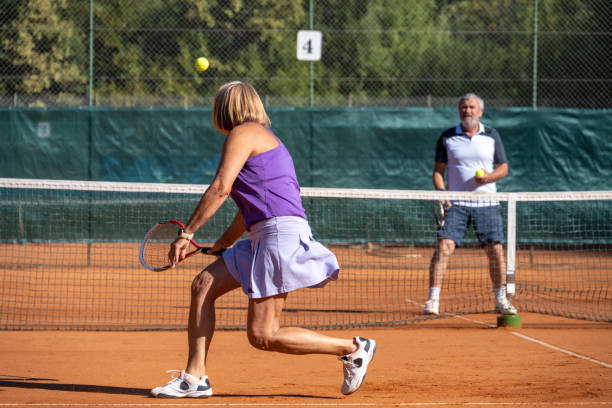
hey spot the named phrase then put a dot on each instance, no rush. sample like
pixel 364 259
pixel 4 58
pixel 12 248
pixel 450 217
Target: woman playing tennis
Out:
pixel 278 257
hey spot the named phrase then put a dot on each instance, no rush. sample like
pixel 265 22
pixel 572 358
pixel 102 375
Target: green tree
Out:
pixel 574 53
pixel 371 49
pixel 150 48
pixel 484 47
pixel 49 50
pixel 8 13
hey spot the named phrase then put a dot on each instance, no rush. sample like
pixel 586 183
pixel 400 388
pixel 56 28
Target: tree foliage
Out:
pixel 372 50
pixel 48 47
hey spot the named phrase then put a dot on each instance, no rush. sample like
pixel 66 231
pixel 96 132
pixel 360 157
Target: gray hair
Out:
pixel 472 96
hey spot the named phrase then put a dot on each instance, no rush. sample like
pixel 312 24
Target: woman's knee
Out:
pixel 261 337
pixel 202 284
pixel 213 281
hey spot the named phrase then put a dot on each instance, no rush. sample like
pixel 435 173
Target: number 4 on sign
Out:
pixel 309 45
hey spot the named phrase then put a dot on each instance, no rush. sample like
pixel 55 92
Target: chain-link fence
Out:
pixel 541 53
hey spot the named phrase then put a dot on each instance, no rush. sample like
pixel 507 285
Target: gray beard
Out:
pixel 469 123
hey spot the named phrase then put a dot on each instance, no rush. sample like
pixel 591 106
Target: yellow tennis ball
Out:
pixel 480 173
pixel 202 64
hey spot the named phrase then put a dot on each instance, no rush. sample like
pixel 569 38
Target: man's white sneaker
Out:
pixel 355 365
pixel 185 385
pixel 504 307
pixel 432 307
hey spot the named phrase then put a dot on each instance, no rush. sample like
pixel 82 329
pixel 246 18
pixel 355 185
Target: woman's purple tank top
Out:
pixel 267 187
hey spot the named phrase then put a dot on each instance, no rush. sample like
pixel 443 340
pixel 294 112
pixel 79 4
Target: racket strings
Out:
pixel 157 245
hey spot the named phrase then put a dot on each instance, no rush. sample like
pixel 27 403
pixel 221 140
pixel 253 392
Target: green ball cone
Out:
pixel 509 320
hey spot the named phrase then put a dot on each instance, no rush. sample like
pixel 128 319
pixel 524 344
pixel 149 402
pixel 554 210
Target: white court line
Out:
pixel 401 404
pixel 540 342
pixel 546 404
pixel 571 353
pixel 474 320
pixel 203 404
pixel 212 404
pixel 531 404
pixel 449 314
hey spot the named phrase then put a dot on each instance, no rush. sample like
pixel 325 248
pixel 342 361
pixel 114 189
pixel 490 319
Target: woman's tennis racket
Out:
pixel 437 207
pixel 156 244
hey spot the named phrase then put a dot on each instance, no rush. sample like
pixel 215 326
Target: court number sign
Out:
pixel 309 45
pixel 44 130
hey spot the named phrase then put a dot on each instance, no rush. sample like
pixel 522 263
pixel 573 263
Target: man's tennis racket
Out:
pixel 437 207
pixel 156 244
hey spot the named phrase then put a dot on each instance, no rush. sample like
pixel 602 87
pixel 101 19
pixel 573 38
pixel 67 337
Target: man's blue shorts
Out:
pixel 487 222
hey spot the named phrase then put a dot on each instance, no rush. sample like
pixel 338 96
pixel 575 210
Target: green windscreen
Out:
pixel 392 148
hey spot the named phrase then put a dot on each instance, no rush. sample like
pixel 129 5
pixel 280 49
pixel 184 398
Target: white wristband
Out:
pixel 183 234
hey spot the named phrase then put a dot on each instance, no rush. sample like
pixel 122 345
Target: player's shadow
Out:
pixel 273 395
pixel 35 383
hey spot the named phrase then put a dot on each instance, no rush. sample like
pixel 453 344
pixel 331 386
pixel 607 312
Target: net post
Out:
pixel 511 252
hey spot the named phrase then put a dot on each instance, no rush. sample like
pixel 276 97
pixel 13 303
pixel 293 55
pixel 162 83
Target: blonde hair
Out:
pixel 236 103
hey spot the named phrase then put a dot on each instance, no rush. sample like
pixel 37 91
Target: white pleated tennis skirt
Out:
pixel 280 255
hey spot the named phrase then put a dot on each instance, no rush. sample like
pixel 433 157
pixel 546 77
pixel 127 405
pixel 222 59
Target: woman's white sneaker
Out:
pixel 185 385
pixel 355 365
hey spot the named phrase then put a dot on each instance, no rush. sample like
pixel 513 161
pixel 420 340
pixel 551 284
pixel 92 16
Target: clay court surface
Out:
pixel 454 361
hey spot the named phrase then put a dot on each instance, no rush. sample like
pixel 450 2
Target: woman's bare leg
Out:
pixel 211 283
pixel 264 332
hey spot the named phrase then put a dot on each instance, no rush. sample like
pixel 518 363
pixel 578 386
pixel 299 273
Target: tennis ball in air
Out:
pixel 480 173
pixel 202 64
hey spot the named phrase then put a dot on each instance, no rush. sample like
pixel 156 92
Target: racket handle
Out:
pixel 205 250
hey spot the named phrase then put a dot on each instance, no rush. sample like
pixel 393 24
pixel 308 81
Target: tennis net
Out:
pixel 69 257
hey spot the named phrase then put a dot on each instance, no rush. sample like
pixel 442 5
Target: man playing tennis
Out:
pixel 279 256
pixel 462 150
